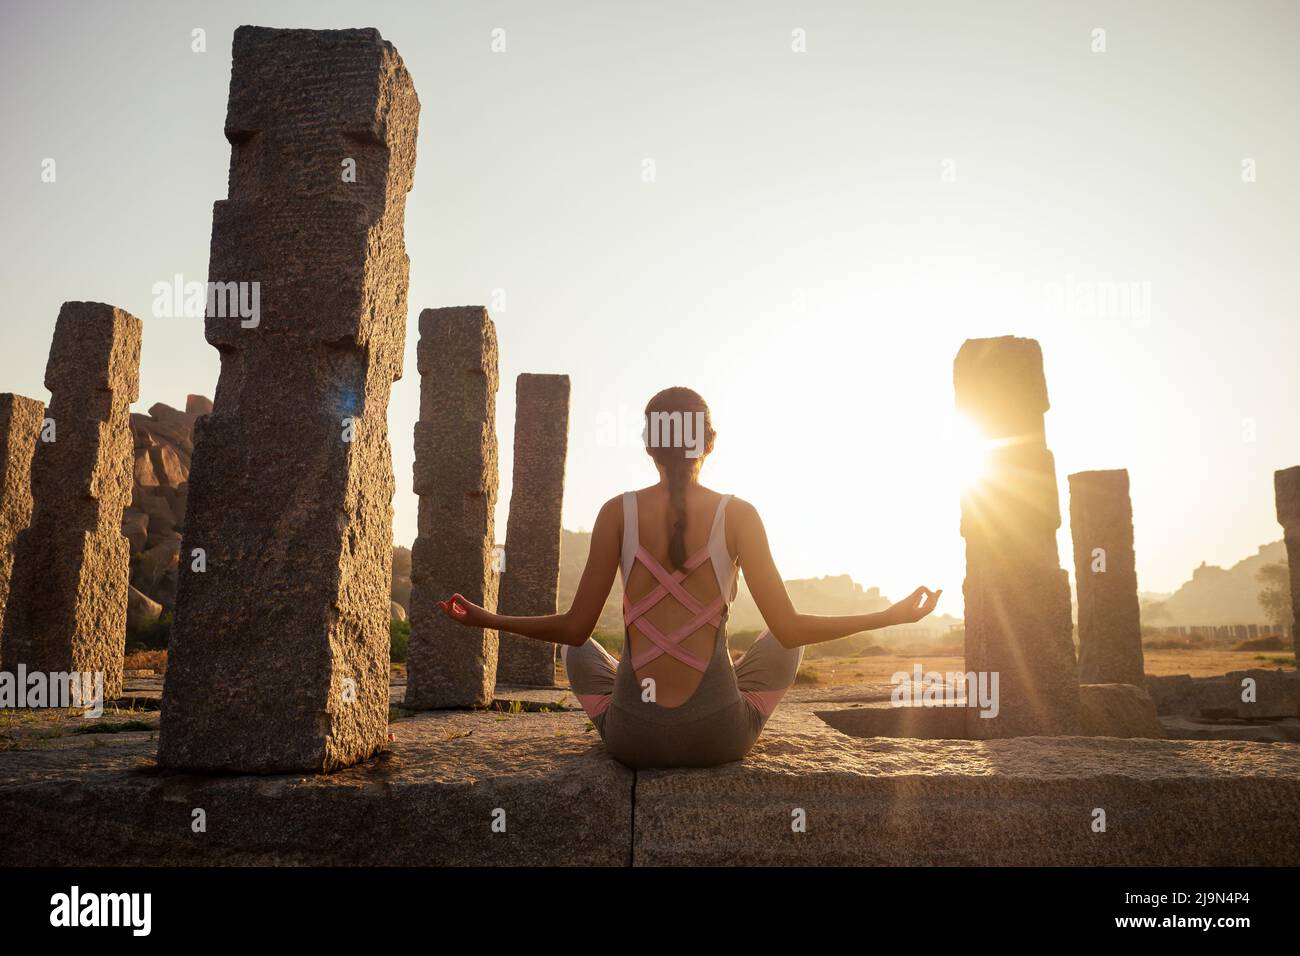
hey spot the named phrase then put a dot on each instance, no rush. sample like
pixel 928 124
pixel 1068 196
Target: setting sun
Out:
pixel 969 451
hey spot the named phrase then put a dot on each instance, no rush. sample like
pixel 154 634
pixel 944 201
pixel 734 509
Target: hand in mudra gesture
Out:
pixel 464 611
pixel 915 606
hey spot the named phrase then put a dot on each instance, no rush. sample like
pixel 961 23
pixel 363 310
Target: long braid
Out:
pixel 678 461
pixel 679 473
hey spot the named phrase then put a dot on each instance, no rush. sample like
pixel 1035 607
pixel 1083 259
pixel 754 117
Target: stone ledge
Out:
pixel 1282 730
pixel 1277 695
pixel 99 799
pixel 1025 801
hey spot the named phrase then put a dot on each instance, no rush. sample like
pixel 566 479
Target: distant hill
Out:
pixel 838 594
pixel 1215 595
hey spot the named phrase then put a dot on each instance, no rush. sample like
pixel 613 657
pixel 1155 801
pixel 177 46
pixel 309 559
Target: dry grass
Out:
pixel 1211 661
pixel 155 661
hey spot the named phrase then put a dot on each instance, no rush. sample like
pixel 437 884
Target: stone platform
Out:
pixel 1019 801
pixel 100 799
pixel 432 797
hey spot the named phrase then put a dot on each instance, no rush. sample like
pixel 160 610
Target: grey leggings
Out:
pixel 719 723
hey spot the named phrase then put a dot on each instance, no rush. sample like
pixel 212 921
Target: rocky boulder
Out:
pixel 141 610
pixel 135 527
pixel 153 523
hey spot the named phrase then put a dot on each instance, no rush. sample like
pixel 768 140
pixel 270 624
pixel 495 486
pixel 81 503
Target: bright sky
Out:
pixel 823 230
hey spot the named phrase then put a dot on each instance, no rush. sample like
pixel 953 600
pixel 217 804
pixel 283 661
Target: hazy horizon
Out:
pixel 823 231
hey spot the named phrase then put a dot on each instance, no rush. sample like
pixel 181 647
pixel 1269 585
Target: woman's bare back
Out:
pixel 674 681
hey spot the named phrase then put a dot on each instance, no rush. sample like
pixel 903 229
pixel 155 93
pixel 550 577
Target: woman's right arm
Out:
pixel 791 628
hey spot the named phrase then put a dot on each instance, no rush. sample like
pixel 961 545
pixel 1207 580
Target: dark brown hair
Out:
pixel 684 416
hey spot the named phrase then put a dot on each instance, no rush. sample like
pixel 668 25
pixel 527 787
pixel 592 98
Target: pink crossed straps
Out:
pixel 671 584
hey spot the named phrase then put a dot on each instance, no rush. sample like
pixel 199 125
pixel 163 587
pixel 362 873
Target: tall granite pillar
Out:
pixel 448 664
pixel 1018 621
pixel 279 655
pixel 67 594
pixel 1286 487
pixel 1105 576
pixel 531 579
pixel 20 425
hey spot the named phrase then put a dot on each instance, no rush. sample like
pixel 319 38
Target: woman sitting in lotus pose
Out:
pixel 674 698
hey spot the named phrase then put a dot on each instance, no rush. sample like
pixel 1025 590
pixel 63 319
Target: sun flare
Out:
pixel 969 450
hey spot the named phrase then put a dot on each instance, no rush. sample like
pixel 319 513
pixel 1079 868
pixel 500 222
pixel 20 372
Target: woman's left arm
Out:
pixel 575 625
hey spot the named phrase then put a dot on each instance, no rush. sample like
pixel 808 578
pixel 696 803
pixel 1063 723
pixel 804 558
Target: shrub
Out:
pixel 742 640
pixel 1168 644
pixel 1271 642
pixel 399 638
pixel 807 675
pixel 151 637
pixel 612 641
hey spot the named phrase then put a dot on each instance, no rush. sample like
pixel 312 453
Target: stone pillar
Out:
pixel 448 664
pixel 1018 621
pixel 279 656
pixel 1286 488
pixel 20 425
pixel 1105 576
pixel 71 570
pixel 531 577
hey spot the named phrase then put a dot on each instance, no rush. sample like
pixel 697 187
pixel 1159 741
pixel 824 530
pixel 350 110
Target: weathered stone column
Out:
pixel 20 426
pixel 279 650
pixel 448 664
pixel 1105 577
pixel 71 570
pixel 1018 621
pixel 1286 488
pixel 531 577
